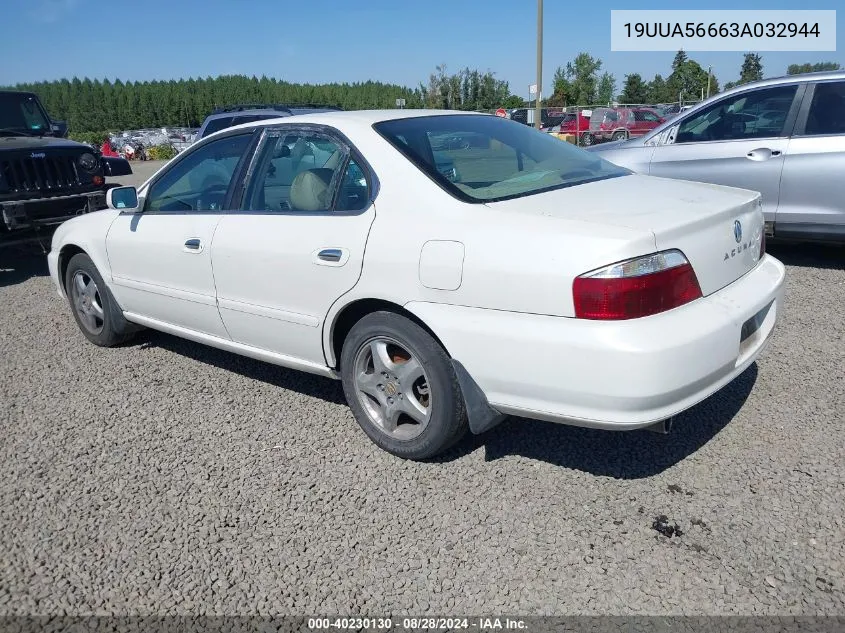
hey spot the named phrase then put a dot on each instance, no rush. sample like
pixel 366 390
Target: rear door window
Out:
pixel 300 170
pixel 827 110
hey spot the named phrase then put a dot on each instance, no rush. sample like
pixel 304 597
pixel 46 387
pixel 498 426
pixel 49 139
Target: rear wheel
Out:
pixel 587 139
pixel 94 308
pixel 620 135
pixel 401 387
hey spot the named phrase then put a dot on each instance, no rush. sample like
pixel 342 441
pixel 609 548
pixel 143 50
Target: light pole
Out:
pixel 709 68
pixel 538 93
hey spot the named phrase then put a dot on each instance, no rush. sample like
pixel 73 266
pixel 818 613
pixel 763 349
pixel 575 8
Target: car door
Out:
pixel 297 244
pixel 812 188
pixel 160 258
pixel 737 141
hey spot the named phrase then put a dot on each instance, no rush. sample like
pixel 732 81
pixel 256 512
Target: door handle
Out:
pixel 193 245
pixel 331 256
pixel 762 153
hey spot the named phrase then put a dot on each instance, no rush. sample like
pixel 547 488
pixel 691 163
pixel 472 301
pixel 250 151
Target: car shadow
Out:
pixel 623 455
pixel 618 454
pixel 299 381
pixel 20 262
pixel 805 254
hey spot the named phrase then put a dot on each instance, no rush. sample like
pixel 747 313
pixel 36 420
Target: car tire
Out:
pixel 93 306
pixel 587 139
pixel 402 387
pixel 618 136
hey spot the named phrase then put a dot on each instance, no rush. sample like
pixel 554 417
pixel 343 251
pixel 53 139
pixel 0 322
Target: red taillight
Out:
pixel 98 180
pixel 636 288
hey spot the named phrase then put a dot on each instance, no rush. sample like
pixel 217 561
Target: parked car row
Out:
pixel 596 125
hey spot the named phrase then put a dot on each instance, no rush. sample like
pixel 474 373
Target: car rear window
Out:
pixel 215 125
pixel 492 158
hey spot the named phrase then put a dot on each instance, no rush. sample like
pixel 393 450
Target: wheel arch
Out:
pixel 67 253
pixel 347 316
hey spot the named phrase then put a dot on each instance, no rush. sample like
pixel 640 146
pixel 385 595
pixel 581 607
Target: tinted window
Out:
pixel 295 172
pixel 753 114
pixel 827 110
pixel 249 118
pixel 21 112
pixel 215 125
pixel 493 158
pixel 200 180
pixel 354 192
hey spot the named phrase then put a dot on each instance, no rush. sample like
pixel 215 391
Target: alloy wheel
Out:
pixel 87 302
pixel 393 388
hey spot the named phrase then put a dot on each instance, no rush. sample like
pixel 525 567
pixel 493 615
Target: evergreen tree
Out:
pixel 635 90
pixel 752 68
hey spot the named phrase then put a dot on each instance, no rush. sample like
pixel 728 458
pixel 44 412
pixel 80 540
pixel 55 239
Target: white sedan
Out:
pixel 449 268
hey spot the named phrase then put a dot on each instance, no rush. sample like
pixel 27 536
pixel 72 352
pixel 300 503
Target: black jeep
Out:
pixel 45 178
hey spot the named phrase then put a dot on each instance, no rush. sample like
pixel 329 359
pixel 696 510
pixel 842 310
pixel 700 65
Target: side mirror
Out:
pixel 59 128
pixel 123 199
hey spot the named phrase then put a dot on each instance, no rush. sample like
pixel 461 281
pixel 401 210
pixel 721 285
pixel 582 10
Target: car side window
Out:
pixel 747 115
pixel 200 180
pixel 645 115
pixel 295 171
pixel 827 110
pixel 354 192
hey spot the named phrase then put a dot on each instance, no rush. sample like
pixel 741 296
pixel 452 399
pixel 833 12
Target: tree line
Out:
pixel 581 82
pixel 93 105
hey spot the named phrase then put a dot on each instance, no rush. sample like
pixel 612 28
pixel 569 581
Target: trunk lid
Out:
pixel 717 228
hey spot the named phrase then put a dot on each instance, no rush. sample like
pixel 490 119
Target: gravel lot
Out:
pixel 164 477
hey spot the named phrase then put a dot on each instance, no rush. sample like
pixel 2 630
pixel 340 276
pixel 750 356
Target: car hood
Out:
pixel 37 142
pixel 697 218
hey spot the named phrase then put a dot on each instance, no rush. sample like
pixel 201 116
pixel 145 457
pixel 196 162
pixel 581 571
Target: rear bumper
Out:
pixel 616 375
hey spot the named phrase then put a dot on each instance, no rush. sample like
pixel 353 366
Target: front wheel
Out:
pixel 619 136
pixel 587 139
pixel 401 387
pixel 94 308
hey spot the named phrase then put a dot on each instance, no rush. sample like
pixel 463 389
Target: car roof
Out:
pixel 788 79
pixel 357 117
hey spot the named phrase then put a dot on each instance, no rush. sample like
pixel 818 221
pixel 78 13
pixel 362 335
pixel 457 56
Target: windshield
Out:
pixel 21 112
pixel 493 158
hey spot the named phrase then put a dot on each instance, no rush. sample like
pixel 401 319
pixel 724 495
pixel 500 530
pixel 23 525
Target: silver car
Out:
pixel 783 137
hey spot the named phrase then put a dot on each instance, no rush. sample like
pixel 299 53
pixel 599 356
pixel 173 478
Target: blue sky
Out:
pixel 321 41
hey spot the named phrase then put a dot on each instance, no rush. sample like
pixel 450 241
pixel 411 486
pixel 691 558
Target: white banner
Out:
pixel 744 31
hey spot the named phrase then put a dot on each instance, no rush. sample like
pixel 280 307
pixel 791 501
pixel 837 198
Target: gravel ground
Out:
pixel 164 477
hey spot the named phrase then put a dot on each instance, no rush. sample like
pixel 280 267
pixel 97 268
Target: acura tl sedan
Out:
pixel 783 137
pixel 546 282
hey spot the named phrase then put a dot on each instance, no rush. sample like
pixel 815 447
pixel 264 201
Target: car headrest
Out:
pixel 309 191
